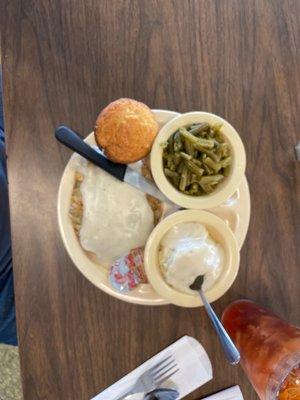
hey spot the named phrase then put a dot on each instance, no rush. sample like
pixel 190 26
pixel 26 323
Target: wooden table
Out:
pixel 63 62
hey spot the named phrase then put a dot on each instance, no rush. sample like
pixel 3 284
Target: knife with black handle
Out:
pixel 124 173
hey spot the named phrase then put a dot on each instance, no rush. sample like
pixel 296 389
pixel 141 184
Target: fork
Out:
pixel 154 377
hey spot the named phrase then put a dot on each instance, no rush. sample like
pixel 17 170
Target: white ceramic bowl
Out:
pixel 225 189
pixel 219 231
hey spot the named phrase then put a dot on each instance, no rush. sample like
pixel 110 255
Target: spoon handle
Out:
pixel 231 352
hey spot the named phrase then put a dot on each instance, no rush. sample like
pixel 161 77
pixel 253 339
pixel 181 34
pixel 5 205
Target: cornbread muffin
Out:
pixel 125 130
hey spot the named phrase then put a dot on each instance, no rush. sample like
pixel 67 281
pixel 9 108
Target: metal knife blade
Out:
pixel 123 172
pixel 136 180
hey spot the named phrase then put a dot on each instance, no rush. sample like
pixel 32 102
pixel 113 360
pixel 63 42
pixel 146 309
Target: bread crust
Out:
pixel 125 130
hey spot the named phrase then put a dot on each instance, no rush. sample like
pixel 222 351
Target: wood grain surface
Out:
pixel 64 61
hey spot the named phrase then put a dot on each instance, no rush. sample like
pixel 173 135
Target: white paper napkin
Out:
pixel 193 363
pixel 233 393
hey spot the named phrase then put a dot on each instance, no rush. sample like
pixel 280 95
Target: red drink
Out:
pixel 269 348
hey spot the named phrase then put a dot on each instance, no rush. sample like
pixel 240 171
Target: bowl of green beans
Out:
pixel 198 160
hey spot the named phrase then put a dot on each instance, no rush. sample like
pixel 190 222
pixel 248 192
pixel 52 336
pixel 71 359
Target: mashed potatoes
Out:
pixel 187 251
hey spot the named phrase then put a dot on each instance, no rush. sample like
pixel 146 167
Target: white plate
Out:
pixel 235 212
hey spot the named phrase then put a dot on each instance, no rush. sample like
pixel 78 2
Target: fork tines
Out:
pixel 164 370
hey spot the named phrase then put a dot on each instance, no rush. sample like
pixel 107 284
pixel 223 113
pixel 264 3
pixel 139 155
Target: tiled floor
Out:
pixel 10 380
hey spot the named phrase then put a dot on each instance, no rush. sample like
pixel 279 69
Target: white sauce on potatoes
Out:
pixel 187 251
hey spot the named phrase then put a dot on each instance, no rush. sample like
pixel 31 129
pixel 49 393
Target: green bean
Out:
pixel 188 128
pixel 188 179
pixel 197 162
pixel 188 147
pixel 223 150
pixel 196 158
pixel 194 178
pixel 174 177
pixel 226 162
pixel 211 133
pixel 214 156
pixel 208 170
pixel 194 188
pixel 219 137
pixel 194 168
pixel 180 167
pixel 177 142
pixel 185 156
pixel 207 188
pixel 171 174
pixel 207 143
pixel 183 179
pixel 177 159
pixel 199 128
pixel 211 180
pixel 170 162
pixel 199 147
pixel 165 145
pixel 217 126
pixel 209 153
pixel 212 164
pixel 204 135
pixel 171 144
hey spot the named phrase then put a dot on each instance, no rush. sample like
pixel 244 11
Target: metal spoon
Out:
pixel 231 352
pixel 162 394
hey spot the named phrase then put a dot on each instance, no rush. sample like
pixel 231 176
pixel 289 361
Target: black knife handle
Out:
pixel 73 141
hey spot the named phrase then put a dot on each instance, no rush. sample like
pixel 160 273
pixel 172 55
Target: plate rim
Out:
pixel 100 284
